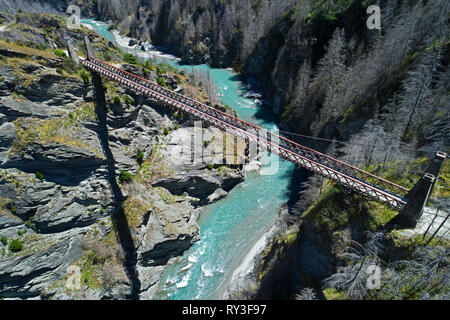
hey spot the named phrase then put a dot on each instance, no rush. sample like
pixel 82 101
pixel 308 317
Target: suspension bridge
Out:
pixel 411 202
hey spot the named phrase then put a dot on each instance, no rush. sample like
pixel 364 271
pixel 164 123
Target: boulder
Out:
pixel 217 195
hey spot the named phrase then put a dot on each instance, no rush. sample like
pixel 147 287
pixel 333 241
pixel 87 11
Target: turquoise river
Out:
pixel 230 227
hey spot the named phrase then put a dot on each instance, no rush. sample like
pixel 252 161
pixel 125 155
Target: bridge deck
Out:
pixel 349 176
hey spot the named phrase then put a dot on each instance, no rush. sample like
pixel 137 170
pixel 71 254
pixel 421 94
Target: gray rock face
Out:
pixel 8 83
pixel 150 278
pixel 54 153
pixel 33 6
pixel 7 136
pixel 58 187
pixel 163 228
pixel 46 259
pixel 170 230
pixel 199 184
pixel 193 174
pixel 53 89
pixel 217 195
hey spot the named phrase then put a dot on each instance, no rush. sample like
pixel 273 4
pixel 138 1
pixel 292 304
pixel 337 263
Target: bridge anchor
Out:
pixel 418 196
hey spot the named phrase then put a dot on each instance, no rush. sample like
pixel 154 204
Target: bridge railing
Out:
pixel 284 147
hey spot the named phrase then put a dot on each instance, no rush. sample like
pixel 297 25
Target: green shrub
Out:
pixel 149 65
pixel 59 52
pixel 106 56
pixel 159 71
pixel 4 240
pixel 15 246
pixel 129 58
pixel 39 175
pixel 125 176
pixel 69 65
pixel 145 72
pixel 140 157
pixel 228 107
pixel 127 99
pixel 161 82
pixel 85 76
pixel 116 99
pixel 166 131
pixel 210 166
pixel 11 206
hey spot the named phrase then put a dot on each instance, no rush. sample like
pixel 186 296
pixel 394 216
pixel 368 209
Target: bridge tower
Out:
pixel 71 50
pixel 89 50
pixel 418 196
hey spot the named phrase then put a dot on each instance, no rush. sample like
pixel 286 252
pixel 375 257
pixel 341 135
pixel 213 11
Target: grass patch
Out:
pixel 135 209
pixel 26 50
pixel 18 97
pixel 153 168
pixel 90 271
pixel 166 196
pixel 333 294
pixel 290 238
pixel 59 52
pixel 61 131
pixel 102 261
pixel 86 112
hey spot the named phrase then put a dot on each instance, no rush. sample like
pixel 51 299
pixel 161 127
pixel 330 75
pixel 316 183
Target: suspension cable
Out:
pixel 348 143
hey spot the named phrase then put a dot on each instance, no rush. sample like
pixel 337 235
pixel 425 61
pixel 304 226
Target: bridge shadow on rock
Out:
pixel 119 218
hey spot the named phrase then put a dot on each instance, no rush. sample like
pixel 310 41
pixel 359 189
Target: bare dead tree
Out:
pixel 309 193
pixel 426 273
pixel 306 294
pixel 353 278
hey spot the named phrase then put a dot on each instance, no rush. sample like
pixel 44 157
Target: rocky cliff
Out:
pixel 84 186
